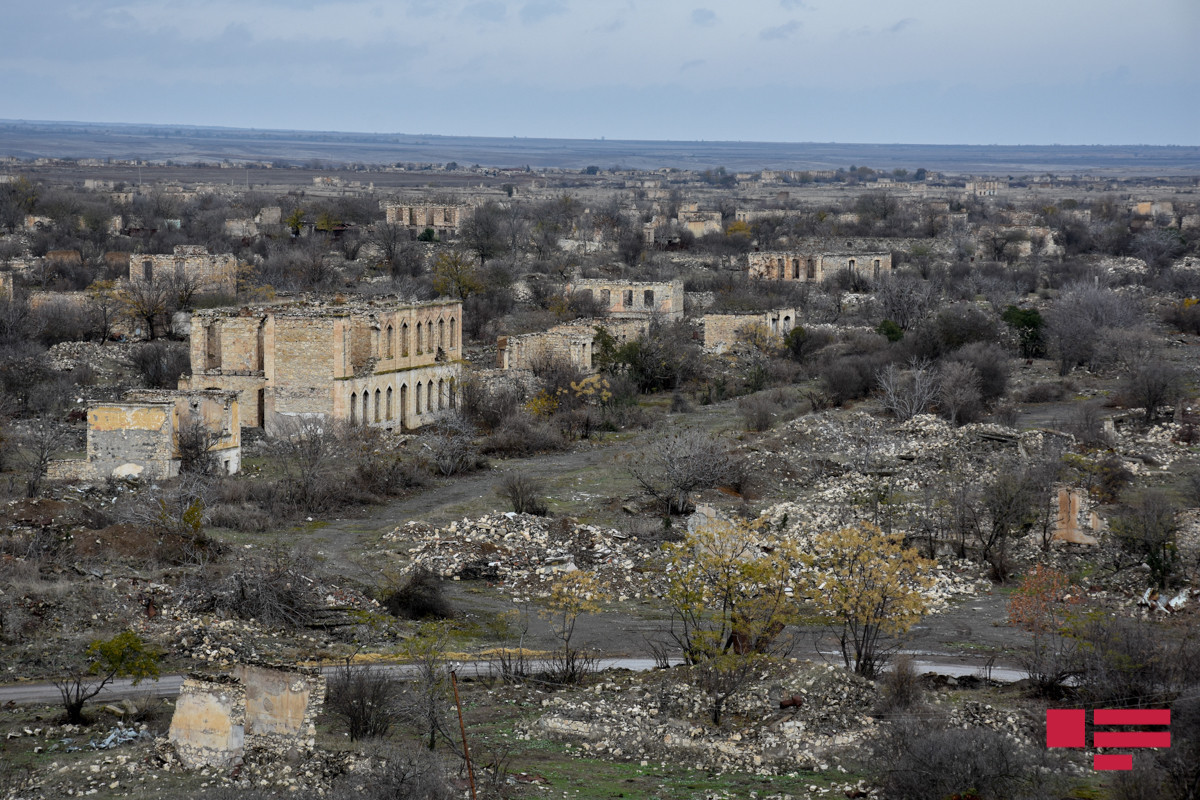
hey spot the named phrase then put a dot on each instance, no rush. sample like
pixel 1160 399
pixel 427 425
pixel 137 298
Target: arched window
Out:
pixel 442 333
pixel 354 408
pixel 795 269
pixel 418 397
pixel 441 395
pixel 389 343
pixel 453 334
pixel 851 264
pixel 404 405
pixel 366 415
pixel 390 414
pixel 404 340
pixel 453 398
pixel 420 337
pixel 377 410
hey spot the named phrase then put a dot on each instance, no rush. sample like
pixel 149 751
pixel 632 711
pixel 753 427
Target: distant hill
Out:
pixel 190 144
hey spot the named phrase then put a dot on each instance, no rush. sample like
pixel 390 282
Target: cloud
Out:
pixel 907 22
pixel 486 10
pixel 792 5
pixel 779 31
pixel 541 9
pixel 703 17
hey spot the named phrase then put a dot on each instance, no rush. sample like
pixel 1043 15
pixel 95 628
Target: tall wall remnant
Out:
pixel 1066 524
pixel 218 718
pixel 191 263
pixel 392 366
pixel 722 331
pixel 625 300
pixel 443 219
pixel 138 436
pixel 813 267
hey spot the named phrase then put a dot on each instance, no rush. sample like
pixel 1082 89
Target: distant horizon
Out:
pixel 460 135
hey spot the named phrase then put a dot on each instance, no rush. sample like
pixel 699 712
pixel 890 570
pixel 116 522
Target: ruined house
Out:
pixel 573 343
pixel 219 718
pixel 387 365
pixel 138 436
pixel 191 263
pixel 723 331
pixel 814 266
pixel 445 220
pixel 626 300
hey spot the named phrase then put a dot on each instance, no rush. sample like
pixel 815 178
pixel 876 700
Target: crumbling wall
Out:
pixel 419 216
pixel 638 299
pixel 191 263
pixel 813 267
pixel 218 718
pixel 722 331
pixel 570 343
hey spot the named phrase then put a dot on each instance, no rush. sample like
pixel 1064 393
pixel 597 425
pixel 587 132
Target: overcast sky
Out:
pixel 913 71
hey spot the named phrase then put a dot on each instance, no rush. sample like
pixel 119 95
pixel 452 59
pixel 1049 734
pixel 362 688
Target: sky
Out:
pixel 887 71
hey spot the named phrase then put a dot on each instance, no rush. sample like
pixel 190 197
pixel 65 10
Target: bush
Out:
pixel 393 772
pixel 364 700
pixel 992 365
pixel 160 363
pixel 1044 392
pixel 524 493
pixel 275 590
pixel 520 435
pixel 420 596
pixel 758 412
pixel 920 761
pixel 900 687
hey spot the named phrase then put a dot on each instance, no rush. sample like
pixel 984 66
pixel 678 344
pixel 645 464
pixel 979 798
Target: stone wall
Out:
pixel 813 267
pixel 570 343
pixel 191 263
pixel 419 216
pixel 218 718
pixel 723 331
pixel 640 299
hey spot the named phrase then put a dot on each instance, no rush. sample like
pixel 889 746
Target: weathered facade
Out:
pixel 393 366
pixel 443 219
pixel 813 267
pixel 574 343
pixel 623 299
pixel 138 436
pixel 217 719
pixel 723 331
pixel 191 263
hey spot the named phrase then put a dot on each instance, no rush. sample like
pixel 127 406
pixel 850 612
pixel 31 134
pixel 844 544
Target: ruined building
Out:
pixel 390 365
pixel 138 436
pixel 814 267
pixel 723 331
pixel 573 343
pixel 445 220
pixel 191 263
pixel 626 300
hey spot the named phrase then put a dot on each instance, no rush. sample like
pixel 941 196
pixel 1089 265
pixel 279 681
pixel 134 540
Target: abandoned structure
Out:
pixel 814 267
pixel 392 366
pixel 574 343
pixel 445 220
pixel 218 719
pixel 191 263
pixel 722 331
pixel 139 435
pixel 625 300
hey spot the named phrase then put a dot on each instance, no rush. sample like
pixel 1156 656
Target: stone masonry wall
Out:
pixel 622 298
pixel 210 273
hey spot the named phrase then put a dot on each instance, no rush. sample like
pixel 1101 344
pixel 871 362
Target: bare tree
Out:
pixel 195 442
pixel 450 445
pixel 959 391
pixel 1153 384
pixel 909 392
pixel 41 442
pixel 147 302
pixel 1148 528
pixel 364 699
pixel 680 463
pixel 1078 317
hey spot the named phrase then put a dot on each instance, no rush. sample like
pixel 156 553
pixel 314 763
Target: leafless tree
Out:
pixel 147 302
pixel 426 698
pixel 195 442
pixel 905 299
pixel 1078 317
pixel 364 699
pixel 680 463
pixel 1158 247
pixel 1153 384
pixel 908 392
pixel 958 388
pixel 450 445
pixel 41 442
pixel 1148 528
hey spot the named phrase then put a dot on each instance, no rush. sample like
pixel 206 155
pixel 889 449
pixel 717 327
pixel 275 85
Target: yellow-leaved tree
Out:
pixel 869 586
pixel 730 592
pixel 572 594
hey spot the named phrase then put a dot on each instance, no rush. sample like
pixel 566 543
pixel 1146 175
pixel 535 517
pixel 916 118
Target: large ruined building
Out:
pixel 389 365
pixel 573 343
pixel 139 435
pixel 813 267
pixel 189 263
pixel 445 220
pixel 625 300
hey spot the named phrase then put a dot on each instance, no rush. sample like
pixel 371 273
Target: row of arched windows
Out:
pixel 428 338
pixel 428 397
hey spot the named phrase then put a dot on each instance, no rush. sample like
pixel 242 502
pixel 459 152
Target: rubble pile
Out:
pixel 663 717
pixel 104 360
pixel 526 553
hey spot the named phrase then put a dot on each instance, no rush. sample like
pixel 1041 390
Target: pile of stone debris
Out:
pixel 526 553
pixel 663 716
